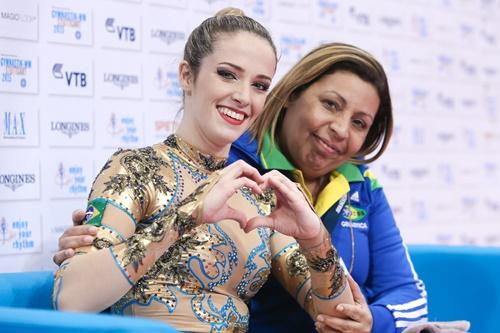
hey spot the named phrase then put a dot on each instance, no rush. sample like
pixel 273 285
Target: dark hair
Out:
pixel 325 60
pixel 229 20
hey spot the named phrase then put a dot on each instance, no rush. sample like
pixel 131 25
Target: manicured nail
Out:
pixel 92 229
pixel 340 308
pixel 88 239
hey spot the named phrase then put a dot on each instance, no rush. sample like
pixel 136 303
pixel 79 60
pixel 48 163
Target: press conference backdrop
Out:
pixel 81 78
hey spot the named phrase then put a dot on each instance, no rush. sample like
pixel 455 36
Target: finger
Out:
pixel 284 192
pixel 244 181
pixel 339 324
pixel 322 328
pixel 355 312
pixel 259 221
pixel 78 216
pixel 60 256
pixel 233 214
pixel 241 168
pixel 356 291
pixel 278 184
pixel 73 242
pixel 80 230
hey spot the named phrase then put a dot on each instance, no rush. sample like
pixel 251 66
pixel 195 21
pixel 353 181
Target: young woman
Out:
pixel 185 239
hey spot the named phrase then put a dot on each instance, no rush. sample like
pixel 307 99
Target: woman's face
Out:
pixel 230 88
pixel 328 123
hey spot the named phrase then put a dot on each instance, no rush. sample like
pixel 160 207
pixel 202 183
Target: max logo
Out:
pixel 76 79
pixel 124 33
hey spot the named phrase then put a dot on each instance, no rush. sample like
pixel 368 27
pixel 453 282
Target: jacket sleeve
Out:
pixel 397 298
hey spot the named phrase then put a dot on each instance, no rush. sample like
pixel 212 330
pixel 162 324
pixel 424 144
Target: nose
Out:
pixel 340 126
pixel 241 95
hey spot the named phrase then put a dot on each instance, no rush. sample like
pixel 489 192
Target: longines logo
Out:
pixel 76 79
pixel 121 80
pixel 167 36
pixel 14 181
pixel 17 17
pixel 69 128
pixel 14 125
pixel 124 33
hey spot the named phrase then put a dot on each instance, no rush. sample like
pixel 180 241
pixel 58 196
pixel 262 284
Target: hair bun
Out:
pixel 230 11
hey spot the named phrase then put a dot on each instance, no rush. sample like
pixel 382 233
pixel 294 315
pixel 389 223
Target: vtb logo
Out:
pixel 76 79
pixel 124 33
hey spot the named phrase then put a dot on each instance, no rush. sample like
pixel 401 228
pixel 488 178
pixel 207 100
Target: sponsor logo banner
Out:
pixel 163 79
pixel 118 29
pixel 18 73
pixel 20 233
pixel 75 129
pixel 165 30
pixel 73 78
pixel 71 25
pixel 19 126
pixel 161 121
pixel 19 20
pixel 70 178
pixel 19 178
pixel 120 78
pixel 120 127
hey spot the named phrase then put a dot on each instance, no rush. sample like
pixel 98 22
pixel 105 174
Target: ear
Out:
pixel 186 78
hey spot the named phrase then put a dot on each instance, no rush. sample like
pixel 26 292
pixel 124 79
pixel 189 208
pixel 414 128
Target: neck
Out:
pixel 195 137
pixel 315 185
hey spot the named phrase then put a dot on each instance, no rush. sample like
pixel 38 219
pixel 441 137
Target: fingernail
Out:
pixel 340 308
pixel 320 318
pixel 68 252
pixel 88 239
pixel 92 229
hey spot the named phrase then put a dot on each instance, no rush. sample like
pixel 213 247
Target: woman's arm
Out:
pixel 118 256
pixel 398 297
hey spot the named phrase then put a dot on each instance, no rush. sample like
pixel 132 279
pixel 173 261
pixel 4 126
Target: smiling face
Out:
pixel 327 124
pixel 228 92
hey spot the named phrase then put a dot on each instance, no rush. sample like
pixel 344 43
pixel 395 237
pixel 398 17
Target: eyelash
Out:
pixel 228 75
pixel 261 86
pixel 330 105
pixel 362 124
pixel 333 106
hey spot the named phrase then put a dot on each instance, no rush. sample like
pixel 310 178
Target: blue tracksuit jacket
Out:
pixel 380 265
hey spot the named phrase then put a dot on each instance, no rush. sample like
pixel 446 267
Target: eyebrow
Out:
pixel 241 69
pixel 344 102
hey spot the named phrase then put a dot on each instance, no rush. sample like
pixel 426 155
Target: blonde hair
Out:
pixel 326 60
pixel 229 20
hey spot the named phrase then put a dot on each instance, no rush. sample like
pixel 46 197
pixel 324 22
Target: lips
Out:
pixel 328 147
pixel 232 116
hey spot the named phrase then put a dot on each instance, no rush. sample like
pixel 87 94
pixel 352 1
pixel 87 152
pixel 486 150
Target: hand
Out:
pixel 293 216
pixel 233 177
pixel 74 237
pixel 359 318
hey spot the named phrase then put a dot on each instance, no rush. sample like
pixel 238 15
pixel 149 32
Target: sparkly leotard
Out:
pixel 202 282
